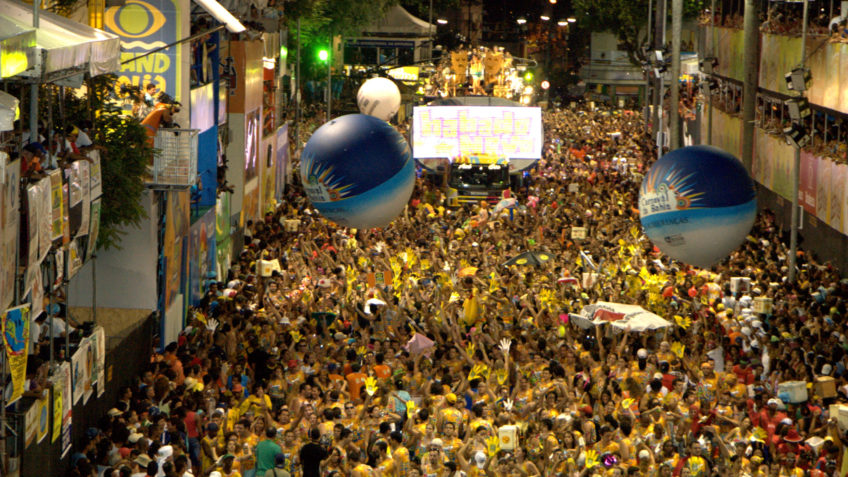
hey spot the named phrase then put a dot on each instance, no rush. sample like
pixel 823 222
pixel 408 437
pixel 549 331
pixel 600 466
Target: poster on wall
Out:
pixel 9 220
pixel 251 145
pixel 176 229
pixel 145 25
pixel 202 255
pixel 16 323
pixel 95 174
pixel 80 372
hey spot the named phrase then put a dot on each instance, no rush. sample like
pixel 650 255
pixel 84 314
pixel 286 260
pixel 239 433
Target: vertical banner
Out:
pixel 202 255
pixel 99 360
pixel 94 224
pixel 9 220
pixel 45 218
pixel 176 229
pixel 67 407
pixel 57 202
pixel 74 259
pixel 144 25
pixel 43 406
pixel 88 385
pixel 823 190
pixel 32 237
pixel 79 363
pixel 85 186
pixel 56 429
pixel 837 195
pixel 31 424
pixel 74 184
pixel 96 175
pixel 37 294
pixel 808 179
pixel 16 341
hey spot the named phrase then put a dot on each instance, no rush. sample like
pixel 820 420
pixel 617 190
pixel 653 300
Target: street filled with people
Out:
pixel 414 350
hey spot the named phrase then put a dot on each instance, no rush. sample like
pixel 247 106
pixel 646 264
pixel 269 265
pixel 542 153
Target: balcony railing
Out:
pixel 175 159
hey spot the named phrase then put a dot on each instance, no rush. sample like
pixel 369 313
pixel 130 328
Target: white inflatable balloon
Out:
pixel 378 97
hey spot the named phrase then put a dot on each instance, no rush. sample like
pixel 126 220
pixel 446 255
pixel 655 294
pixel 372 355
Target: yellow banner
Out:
pixel 16 340
pixel 57 412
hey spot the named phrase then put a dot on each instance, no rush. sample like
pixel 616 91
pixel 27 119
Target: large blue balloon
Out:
pixel 697 204
pixel 358 171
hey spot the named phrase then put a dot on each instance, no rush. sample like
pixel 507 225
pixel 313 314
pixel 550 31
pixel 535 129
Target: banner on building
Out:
pixel 96 174
pixel 81 374
pixel 57 203
pixel 9 221
pixel 43 406
pixel 57 411
pixel 31 424
pixel 98 376
pixel 16 340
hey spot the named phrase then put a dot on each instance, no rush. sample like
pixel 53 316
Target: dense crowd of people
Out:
pixel 413 351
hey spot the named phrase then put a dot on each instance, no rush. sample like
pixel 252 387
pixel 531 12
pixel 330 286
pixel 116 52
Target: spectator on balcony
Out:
pixel 162 115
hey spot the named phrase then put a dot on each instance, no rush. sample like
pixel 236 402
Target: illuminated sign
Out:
pixel 404 73
pixel 452 131
pixel 146 25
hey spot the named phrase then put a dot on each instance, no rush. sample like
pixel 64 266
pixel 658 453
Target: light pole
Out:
pixel 796 170
pixel 547 20
pixel 324 55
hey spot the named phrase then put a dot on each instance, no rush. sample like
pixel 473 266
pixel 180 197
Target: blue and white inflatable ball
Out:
pixel 697 204
pixel 358 171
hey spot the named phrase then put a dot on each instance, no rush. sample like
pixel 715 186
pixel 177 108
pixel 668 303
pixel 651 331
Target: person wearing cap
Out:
pixel 279 469
pixel 209 445
pixel 225 464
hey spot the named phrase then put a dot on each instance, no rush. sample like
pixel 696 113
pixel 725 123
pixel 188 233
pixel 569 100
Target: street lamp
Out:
pixel 545 18
pixel 571 20
pixel 521 21
pixel 442 21
pixel 324 55
pixel 562 23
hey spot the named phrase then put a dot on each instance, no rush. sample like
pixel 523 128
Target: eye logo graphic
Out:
pixel 136 19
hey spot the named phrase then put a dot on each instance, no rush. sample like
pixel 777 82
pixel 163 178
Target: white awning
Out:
pixel 69 45
pixel 398 21
pixel 16 48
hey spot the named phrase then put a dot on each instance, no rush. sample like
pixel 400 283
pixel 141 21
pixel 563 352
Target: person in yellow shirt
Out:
pixel 359 468
pixel 451 443
pixel 227 469
pixel 401 463
pixel 433 462
pixel 451 413
pixel 208 446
